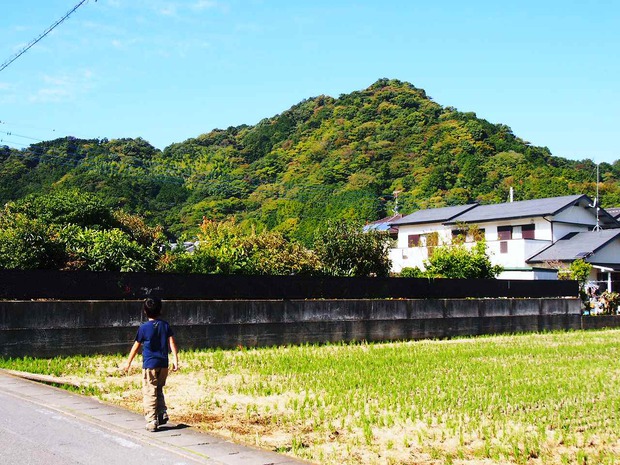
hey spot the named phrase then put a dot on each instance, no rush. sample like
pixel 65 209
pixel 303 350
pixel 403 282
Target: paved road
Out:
pixel 42 425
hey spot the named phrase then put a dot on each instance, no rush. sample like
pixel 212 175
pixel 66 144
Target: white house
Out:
pixel 524 237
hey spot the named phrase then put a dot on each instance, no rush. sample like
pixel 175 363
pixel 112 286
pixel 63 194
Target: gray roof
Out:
pixel 475 213
pixel 521 209
pixel 576 245
pixel 615 211
pixel 435 215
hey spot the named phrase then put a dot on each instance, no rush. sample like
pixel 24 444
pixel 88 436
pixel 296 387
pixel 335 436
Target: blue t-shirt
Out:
pixel 153 335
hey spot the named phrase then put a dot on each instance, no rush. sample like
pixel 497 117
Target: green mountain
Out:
pixel 323 158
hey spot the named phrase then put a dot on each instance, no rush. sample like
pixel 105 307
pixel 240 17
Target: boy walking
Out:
pixel 156 336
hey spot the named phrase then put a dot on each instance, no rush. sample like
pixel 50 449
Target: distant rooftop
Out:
pixel 384 224
pixel 475 213
pixel 614 211
pixel 434 215
pixel 521 209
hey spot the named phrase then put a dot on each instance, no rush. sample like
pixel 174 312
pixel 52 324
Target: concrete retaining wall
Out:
pixel 600 322
pixel 50 328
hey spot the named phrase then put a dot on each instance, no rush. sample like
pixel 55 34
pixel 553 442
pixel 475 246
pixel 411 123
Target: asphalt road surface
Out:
pixel 35 435
pixel 43 425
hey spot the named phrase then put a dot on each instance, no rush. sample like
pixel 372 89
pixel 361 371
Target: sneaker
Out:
pixel 151 426
pixel 163 418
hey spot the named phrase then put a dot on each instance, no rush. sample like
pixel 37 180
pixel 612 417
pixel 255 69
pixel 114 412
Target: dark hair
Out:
pixel 152 307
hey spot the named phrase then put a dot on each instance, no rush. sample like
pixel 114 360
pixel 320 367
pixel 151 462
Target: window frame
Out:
pixel 528 231
pixel 413 240
pixel 504 233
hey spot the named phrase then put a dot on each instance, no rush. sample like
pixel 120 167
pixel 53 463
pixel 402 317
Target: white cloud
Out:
pixel 204 5
pixel 64 87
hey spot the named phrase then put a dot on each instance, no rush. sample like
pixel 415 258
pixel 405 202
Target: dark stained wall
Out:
pixel 50 328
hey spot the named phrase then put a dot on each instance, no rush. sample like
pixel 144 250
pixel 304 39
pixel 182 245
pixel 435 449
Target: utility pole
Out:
pixel 597 202
pixel 395 193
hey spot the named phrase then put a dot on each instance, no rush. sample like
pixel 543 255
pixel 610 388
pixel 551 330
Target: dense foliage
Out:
pixel 461 262
pixel 345 250
pixel 456 262
pixel 323 159
pixel 224 248
pixel 72 231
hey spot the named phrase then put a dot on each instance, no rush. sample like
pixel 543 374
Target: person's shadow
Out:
pixel 172 427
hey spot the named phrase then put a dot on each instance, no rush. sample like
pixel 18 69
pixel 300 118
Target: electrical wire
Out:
pixel 27 126
pixel 6 141
pixel 8 133
pixel 53 132
pixel 40 36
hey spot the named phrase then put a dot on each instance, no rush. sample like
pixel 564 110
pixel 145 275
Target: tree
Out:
pixel 65 207
pixel 27 244
pixel 105 250
pixel 226 248
pixel 412 272
pixel 271 253
pixel 459 262
pixel 324 157
pixel 346 250
pixel 74 231
pixel 579 270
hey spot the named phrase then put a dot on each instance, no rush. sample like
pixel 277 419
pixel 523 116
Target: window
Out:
pixel 503 247
pixel 413 240
pixel 459 236
pixel 528 231
pixel 504 233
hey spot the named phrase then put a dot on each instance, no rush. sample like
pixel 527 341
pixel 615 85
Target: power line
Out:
pixel 54 132
pixel 38 38
pixel 8 133
pixel 6 141
pixel 26 126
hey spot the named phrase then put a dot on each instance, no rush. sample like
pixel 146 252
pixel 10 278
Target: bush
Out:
pixel 105 250
pixel 33 237
pixel 346 250
pixel 410 272
pixel 65 207
pixel 459 262
pixel 271 253
pixel 579 270
pixel 226 248
pixel 27 244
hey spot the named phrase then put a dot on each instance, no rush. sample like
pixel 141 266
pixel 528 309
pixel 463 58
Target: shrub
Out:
pixel 27 244
pixel 412 272
pixel 459 262
pixel 65 207
pixel 105 250
pixel 226 248
pixel 73 231
pixel 346 250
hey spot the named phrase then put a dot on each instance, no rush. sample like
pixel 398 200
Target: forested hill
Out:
pixel 323 158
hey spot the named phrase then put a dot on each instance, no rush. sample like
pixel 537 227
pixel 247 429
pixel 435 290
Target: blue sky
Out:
pixel 168 70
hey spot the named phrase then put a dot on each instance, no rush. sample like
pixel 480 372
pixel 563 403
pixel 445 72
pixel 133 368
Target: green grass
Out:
pixel 539 398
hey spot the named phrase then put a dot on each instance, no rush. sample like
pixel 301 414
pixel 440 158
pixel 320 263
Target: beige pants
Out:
pixel 153 382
